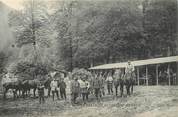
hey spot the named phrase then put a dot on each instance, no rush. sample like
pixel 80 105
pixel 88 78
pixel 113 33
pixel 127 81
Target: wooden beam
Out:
pixel 157 80
pixel 147 75
pixel 138 76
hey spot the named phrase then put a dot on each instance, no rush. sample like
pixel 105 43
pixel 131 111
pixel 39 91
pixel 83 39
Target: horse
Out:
pixel 15 86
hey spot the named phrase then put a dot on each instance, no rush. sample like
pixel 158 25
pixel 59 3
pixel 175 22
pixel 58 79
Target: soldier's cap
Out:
pixel 75 78
pixel 128 61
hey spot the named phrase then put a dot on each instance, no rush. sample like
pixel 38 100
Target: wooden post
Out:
pixel 176 73
pixel 146 76
pixel 169 77
pixel 157 82
pixel 138 76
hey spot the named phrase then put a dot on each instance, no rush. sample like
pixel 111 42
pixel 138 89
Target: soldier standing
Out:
pixel 41 92
pixel 75 88
pixel 54 88
pixel 97 86
pixel 102 79
pixel 84 90
pixel 109 81
pixel 62 86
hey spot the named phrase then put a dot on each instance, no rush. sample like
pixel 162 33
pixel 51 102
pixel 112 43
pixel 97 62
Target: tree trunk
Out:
pixel 177 48
pixel 91 62
pixel 108 57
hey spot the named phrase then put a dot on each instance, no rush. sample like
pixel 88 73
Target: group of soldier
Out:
pixel 96 85
pixel 55 87
pixel 81 86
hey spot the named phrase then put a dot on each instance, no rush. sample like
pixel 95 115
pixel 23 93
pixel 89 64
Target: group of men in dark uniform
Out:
pixel 80 86
pixel 55 87
pixel 95 85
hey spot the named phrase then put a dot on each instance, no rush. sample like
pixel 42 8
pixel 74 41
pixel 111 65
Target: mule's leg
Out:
pixel 132 89
pixel 57 94
pixel 49 91
pixel 53 95
pixel 23 93
pixel 108 89
pixel 19 93
pixel 116 89
pixel 15 93
pixel 34 90
pixel 103 91
pixel 121 89
pixel 128 88
pixel 111 89
pixel 28 92
pixel 5 91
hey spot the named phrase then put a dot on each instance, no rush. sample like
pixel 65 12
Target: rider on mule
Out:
pixel 129 74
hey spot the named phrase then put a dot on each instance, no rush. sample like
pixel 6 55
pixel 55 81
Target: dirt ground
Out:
pixel 147 101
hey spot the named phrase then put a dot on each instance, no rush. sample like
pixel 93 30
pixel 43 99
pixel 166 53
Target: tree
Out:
pixel 3 61
pixel 33 29
pixel 92 33
pixel 160 26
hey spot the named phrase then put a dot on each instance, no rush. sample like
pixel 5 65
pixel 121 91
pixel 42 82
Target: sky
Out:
pixel 15 4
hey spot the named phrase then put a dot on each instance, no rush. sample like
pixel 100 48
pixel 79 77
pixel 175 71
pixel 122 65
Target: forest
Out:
pixel 72 34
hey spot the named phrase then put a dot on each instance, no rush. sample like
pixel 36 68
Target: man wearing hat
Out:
pixel 41 92
pixel 54 88
pixel 62 86
pixel 75 88
pixel 129 68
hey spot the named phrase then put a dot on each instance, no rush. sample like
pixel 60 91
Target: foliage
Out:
pixel 35 37
pixel 89 32
pixel 3 61
pixel 32 24
pixel 81 73
pixel 160 26
pixel 80 34
pixel 27 70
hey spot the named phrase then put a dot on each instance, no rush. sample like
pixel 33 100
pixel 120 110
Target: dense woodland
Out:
pixel 80 34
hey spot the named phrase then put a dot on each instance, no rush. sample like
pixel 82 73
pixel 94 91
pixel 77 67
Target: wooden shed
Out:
pixel 140 63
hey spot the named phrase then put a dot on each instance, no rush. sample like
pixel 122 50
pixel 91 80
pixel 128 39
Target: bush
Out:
pixel 81 73
pixel 27 70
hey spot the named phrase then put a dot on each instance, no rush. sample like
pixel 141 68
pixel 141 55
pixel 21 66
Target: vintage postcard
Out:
pixel 88 58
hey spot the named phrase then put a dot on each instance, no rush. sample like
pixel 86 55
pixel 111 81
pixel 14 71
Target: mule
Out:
pixel 128 82
pixel 15 86
pixel 28 85
pixel 117 80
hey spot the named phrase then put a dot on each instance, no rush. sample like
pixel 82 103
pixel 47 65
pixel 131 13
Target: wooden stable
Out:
pixel 140 63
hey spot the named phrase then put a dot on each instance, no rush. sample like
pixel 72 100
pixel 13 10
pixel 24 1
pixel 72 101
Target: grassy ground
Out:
pixel 151 101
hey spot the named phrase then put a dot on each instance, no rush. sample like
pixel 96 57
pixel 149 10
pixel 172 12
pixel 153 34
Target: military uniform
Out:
pixel 41 93
pixel 54 88
pixel 109 81
pixel 75 88
pixel 84 85
pixel 96 85
pixel 128 71
pixel 102 80
pixel 62 86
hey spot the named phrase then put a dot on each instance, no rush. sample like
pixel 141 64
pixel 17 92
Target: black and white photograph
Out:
pixel 88 58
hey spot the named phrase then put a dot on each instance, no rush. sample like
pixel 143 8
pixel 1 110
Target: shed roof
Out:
pixel 137 63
